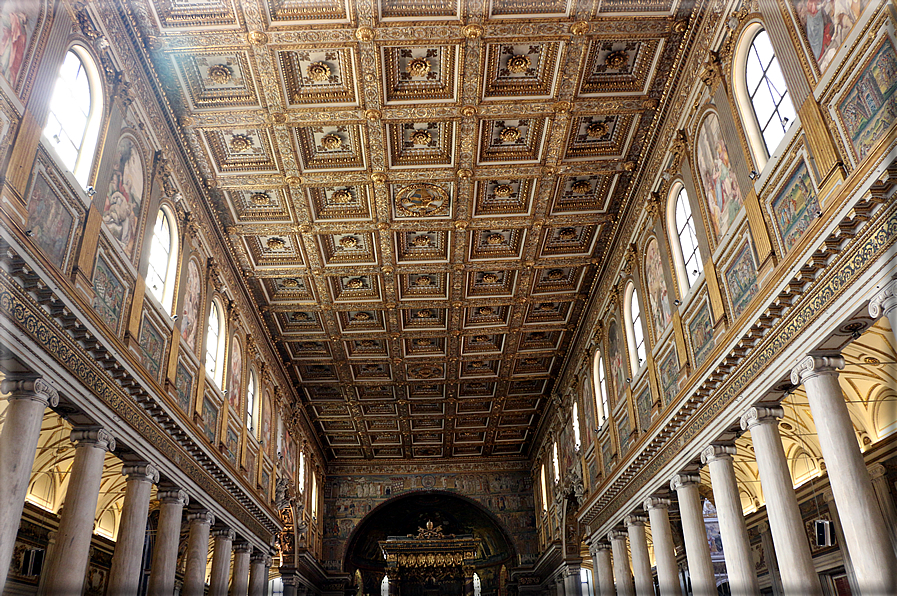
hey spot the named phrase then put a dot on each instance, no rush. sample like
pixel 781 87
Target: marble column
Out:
pixel 736 544
pixel 664 549
pixel 697 551
pixel 572 581
pixel 259 563
pixel 879 476
pixel 67 561
pixel 885 302
pixel 622 572
pixel 221 552
pixel 865 535
pixel 124 576
pixel 788 533
pixel 168 534
pixel 641 561
pixel 197 553
pixel 291 584
pixel 239 583
pixel 604 569
pixel 26 402
pixel 772 564
pixel 559 588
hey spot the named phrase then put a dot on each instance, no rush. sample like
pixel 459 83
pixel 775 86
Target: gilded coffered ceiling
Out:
pixel 420 192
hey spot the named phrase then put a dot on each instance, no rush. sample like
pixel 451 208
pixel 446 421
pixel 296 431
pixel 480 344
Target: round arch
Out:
pixel 403 514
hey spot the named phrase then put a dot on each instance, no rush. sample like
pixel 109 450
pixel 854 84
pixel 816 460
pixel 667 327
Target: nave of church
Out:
pixel 448 297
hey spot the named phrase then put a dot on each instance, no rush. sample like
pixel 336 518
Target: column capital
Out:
pixel 617 535
pixel 813 366
pixel 635 520
pixel 602 545
pixel 243 547
pixel 203 517
pixel 884 300
pixel 717 452
pixel 877 471
pixel 141 471
pixel 174 495
pixel 259 556
pixel 682 480
pixel 759 415
pixel 99 438
pixel 225 533
pixel 571 570
pixel 656 503
pixel 35 389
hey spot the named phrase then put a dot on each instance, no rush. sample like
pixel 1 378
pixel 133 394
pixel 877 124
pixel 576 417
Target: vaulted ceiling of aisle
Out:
pixel 420 192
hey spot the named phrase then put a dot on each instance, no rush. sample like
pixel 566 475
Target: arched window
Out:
pixel 477 586
pixel 687 258
pixel 576 437
pixel 556 462
pixel 544 487
pixel 215 345
pixel 603 409
pixel 251 404
pixel 634 332
pixel 384 586
pixel 160 273
pixel 76 108
pixel 760 90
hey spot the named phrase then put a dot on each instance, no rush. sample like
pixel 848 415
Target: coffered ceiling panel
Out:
pixel 420 192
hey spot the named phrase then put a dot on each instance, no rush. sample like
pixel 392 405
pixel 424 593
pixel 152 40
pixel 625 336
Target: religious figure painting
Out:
pixel 615 355
pixel 658 297
pixel 266 422
pixel 741 279
pixel 870 107
pixel 795 207
pixel 152 346
pixel 192 297
pixel 607 455
pixel 124 196
pixel 700 329
pixel 235 381
pixel 231 443
pixel 643 404
pixel 49 221
pixel 108 294
pixel 183 383
pixel 587 420
pixel 18 20
pixel 721 189
pixel 827 23
pixel 624 429
pixel 669 376
pixel 209 419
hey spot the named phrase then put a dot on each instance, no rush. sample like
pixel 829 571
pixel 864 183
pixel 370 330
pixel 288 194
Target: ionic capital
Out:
pixel 884 301
pixel 635 520
pixel 202 517
pixel 225 533
pixel 757 415
pixel 617 535
pixel 877 471
pixel 99 438
pixel 571 570
pixel 717 452
pixel 813 366
pixel 34 389
pixel 656 503
pixel 260 556
pixel 602 545
pixel 141 471
pixel 682 480
pixel 174 495
pixel 243 547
